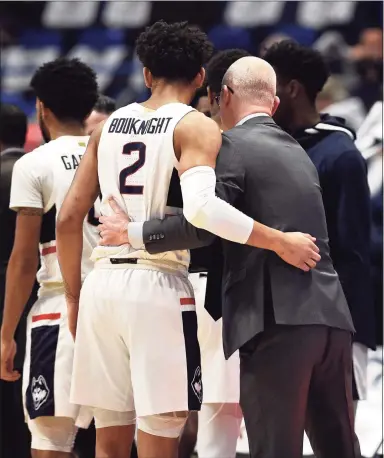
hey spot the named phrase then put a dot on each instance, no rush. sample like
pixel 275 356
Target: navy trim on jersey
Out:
pixel 48 226
pixel 40 397
pixel 192 352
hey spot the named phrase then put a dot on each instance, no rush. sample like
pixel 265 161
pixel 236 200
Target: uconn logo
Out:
pixel 40 391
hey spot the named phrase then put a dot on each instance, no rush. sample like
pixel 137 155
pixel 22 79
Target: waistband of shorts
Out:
pixel 142 264
pixel 50 289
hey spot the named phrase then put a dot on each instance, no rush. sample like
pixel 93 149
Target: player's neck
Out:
pixel 217 120
pixel 63 130
pixel 164 94
pixel 303 119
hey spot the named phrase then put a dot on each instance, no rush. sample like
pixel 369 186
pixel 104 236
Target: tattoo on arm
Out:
pixel 29 211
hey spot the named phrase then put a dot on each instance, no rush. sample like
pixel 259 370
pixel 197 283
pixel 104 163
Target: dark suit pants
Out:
pixel 296 378
pixel 15 440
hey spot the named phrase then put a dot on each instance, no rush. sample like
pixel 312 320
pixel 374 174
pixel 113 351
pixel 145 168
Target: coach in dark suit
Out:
pixel 14 435
pixel 13 130
pixel 293 329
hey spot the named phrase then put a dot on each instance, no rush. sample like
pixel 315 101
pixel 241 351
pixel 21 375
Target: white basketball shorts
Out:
pixel 48 360
pixel 136 342
pixel 221 377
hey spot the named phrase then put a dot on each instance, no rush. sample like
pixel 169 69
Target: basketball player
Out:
pixel 137 310
pixel 66 92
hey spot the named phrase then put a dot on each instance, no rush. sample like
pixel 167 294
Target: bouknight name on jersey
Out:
pixel 134 126
pixel 136 165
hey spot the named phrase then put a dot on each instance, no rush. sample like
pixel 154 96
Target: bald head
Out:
pixel 253 80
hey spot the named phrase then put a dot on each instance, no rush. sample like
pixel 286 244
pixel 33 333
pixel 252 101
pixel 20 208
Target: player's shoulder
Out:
pixel 197 131
pixel 33 158
pixel 124 110
pixel 198 124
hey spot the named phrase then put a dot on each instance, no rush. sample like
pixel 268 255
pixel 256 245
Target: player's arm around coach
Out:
pixel 69 233
pixel 203 208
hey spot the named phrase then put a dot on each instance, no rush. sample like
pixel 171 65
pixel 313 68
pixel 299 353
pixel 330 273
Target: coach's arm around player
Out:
pixel 69 227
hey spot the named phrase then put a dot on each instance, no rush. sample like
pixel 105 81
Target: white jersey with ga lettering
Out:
pixel 137 310
pixel 41 180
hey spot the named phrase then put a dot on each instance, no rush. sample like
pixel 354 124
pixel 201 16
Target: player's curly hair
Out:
pixel 218 66
pixel 68 87
pixel 293 61
pixel 175 52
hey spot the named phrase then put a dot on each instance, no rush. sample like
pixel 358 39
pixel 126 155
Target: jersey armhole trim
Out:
pixel 173 134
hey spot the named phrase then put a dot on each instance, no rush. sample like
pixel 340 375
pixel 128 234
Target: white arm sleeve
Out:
pixel 205 210
pixel 26 187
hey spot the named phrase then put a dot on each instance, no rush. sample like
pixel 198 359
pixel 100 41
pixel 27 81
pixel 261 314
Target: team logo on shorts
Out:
pixel 40 391
pixel 197 385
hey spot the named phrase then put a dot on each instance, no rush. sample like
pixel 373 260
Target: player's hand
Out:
pixel 72 313
pixel 113 229
pixel 299 250
pixel 8 353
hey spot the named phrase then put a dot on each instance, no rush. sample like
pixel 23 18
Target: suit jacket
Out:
pixel 8 159
pixel 262 171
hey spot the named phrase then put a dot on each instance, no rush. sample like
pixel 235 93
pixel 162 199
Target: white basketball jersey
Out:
pixel 41 179
pixel 136 160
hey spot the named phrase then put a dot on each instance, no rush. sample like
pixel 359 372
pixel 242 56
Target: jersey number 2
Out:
pixel 125 173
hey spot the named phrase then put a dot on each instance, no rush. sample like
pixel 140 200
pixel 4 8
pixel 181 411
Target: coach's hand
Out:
pixel 8 353
pixel 113 229
pixel 299 250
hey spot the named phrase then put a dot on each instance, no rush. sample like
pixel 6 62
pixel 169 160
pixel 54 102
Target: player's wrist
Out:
pixel 6 335
pixel 282 243
pixel 72 299
pixel 277 241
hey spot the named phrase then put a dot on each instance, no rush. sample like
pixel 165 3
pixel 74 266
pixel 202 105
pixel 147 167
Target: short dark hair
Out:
pixel 105 105
pixel 219 64
pixel 68 87
pixel 13 125
pixel 293 61
pixel 175 52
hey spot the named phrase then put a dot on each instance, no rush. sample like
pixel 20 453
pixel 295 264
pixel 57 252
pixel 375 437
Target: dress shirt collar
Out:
pixel 254 115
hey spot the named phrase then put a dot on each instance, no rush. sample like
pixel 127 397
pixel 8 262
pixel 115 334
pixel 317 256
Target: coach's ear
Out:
pixel 276 103
pixel 148 78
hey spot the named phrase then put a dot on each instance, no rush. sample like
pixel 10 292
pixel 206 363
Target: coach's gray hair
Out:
pixel 253 80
